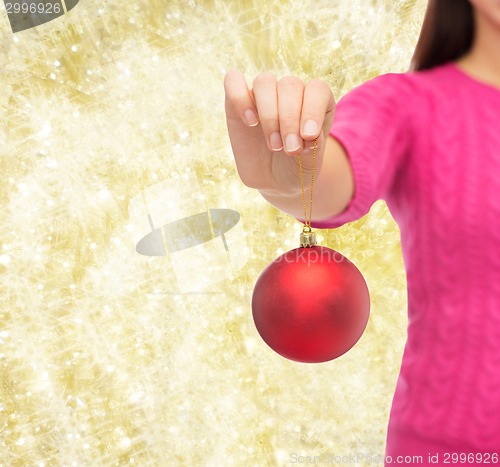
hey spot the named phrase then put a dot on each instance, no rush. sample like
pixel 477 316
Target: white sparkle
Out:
pixel 4 260
pixel 46 129
pixel 125 443
pixel 104 194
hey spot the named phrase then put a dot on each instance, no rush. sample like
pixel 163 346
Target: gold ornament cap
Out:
pixel 307 237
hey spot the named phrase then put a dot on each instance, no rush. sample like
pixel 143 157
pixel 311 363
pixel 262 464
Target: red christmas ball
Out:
pixel 311 305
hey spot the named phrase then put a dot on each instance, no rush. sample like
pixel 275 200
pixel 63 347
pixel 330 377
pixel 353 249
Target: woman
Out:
pixel 428 143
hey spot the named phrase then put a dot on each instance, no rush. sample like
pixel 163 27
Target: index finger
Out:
pixel 239 99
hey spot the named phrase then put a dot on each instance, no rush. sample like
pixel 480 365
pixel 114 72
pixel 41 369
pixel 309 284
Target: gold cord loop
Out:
pixel 307 237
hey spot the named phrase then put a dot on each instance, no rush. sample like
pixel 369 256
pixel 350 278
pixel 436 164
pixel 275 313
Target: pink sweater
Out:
pixel 428 143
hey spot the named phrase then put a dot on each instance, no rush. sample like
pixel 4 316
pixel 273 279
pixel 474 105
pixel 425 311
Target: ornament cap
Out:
pixel 307 237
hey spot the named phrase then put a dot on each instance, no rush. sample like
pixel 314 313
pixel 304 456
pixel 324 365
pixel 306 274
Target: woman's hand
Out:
pixel 272 122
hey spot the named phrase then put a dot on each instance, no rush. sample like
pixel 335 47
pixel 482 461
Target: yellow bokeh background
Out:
pixel 107 357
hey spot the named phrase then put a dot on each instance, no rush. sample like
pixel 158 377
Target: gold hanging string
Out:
pixel 307 238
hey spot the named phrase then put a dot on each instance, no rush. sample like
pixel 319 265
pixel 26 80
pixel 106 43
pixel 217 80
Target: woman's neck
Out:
pixel 483 59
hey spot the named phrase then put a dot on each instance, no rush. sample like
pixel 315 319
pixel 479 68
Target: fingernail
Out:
pixel 292 142
pixel 276 142
pixel 310 128
pixel 250 117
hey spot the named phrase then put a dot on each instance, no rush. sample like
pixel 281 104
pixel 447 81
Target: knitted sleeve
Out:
pixel 372 122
